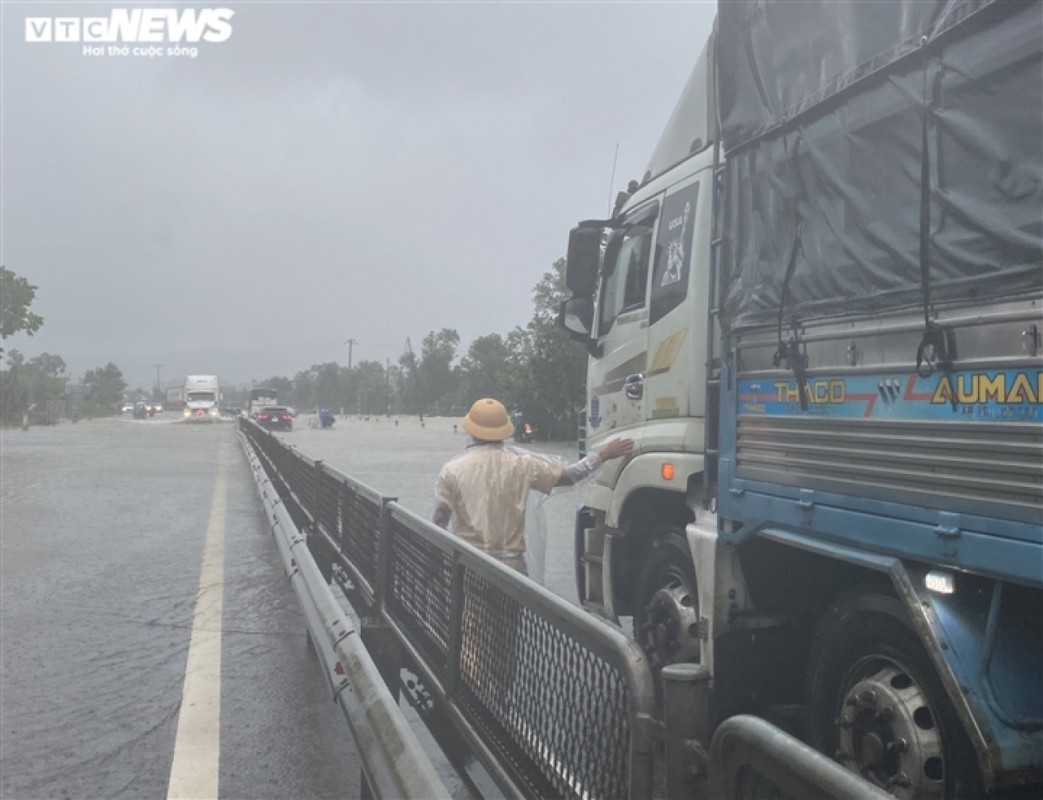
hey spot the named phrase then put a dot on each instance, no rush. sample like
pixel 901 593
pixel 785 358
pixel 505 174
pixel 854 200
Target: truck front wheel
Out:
pixel 666 621
pixel 877 706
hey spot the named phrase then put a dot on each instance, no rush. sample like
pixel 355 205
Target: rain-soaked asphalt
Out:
pixel 101 548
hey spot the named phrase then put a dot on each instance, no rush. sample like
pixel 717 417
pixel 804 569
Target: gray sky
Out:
pixel 332 170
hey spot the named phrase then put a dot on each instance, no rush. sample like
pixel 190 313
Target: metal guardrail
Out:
pixel 553 702
pixel 394 764
pixel 752 758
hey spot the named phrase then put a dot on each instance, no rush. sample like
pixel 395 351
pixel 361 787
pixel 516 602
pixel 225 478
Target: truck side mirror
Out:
pixel 581 261
pixel 576 316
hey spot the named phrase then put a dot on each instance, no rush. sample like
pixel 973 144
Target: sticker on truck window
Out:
pixel 673 252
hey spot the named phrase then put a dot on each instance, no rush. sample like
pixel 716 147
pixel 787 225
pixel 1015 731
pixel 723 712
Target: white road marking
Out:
pixel 197 748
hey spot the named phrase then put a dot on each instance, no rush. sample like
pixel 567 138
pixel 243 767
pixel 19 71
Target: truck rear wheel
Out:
pixel 877 706
pixel 666 620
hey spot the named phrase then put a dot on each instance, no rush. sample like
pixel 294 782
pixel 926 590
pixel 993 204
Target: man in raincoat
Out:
pixel 486 488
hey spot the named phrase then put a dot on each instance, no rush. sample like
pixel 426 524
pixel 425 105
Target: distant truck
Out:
pixel 202 398
pixel 261 396
pixel 175 397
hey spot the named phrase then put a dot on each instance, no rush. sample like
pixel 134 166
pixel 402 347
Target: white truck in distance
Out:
pixel 202 397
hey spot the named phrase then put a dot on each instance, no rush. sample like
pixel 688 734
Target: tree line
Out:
pixel 535 369
pixel 39 388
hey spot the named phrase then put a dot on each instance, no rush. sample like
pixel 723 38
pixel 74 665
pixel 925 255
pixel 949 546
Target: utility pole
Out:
pixel 158 385
pixel 350 343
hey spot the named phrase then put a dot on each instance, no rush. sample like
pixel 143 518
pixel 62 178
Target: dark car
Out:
pixel 274 418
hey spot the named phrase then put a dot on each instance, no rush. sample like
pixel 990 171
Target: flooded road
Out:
pixel 102 540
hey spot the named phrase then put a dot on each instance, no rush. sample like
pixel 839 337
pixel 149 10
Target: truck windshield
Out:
pixel 200 397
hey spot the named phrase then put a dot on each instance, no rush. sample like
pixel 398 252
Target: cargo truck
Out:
pixel 175 397
pixel 202 398
pixel 261 396
pixel 819 316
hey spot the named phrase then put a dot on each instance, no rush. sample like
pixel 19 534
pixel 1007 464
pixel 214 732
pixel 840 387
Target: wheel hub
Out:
pixel 672 632
pixel 888 733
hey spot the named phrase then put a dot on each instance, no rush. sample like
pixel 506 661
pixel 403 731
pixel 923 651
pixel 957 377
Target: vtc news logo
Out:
pixel 135 25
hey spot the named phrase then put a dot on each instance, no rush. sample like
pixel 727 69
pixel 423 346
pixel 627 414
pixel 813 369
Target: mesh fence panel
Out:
pixel 360 532
pixel 327 511
pixel 419 594
pixel 556 714
pixel 553 709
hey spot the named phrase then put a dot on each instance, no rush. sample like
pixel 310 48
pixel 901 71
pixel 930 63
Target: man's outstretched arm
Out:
pixel 574 473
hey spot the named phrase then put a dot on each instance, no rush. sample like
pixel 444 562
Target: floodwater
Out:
pixel 103 529
pixel 403 460
pixel 101 544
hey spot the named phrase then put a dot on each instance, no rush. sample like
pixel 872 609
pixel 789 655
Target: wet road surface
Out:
pixel 108 539
pixel 101 546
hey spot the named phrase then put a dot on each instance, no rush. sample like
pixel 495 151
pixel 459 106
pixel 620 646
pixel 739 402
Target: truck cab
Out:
pixel 202 398
pixel 641 288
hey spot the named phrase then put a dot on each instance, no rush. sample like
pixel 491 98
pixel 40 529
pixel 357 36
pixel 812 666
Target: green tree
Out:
pixel 14 395
pixel 303 396
pixel 557 364
pixel 481 370
pixel 106 387
pixel 37 384
pixel 329 387
pixel 16 295
pixel 407 383
pixel 437 379
pixel 516 374
pixel 45 379
pixel 373 387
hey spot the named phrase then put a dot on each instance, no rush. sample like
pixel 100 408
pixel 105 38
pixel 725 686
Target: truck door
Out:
pixel 677 310
pixel 616 379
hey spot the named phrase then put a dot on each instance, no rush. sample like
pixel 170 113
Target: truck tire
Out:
pixel 666 616
pixel 876 705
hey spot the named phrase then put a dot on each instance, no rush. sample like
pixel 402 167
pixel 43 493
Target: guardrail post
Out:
pixel 456 627
pixel 383 559
pixel 376 634
pixel 686 720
